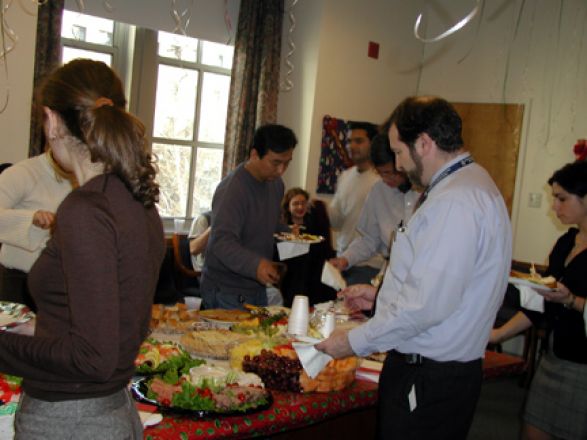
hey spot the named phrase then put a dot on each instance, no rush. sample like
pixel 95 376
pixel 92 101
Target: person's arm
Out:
pixel 86 238
pixel 17 226
pixel 517 324
pixel 444 250
pixel 199 243
pixel 565 297
pixel 368 241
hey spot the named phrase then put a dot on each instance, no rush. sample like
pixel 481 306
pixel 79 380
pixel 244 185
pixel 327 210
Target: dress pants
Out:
pixel 430 400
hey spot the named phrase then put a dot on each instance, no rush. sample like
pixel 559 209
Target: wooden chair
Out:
pixel 187 279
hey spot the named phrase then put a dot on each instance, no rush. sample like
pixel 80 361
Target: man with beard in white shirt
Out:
pixel 441 292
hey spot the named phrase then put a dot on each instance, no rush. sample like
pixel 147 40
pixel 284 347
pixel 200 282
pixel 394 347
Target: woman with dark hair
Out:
pixel 557 401
pixel 304 272
pixel 94 283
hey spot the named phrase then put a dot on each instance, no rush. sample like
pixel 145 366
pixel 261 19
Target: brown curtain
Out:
pixel 254 87
pixel 47 58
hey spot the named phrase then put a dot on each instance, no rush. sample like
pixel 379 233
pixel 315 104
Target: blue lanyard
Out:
pixel 447 172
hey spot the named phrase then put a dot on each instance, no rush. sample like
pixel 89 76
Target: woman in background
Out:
pixel 304 272
pixel 94 283
pixel 557 401
pixel 30 192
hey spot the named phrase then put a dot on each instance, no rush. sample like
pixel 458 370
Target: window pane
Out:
pixel 86 28
pixel 208 174
pixel 178 47
pixel 215 90
pixel 71 53
pixel 216 54
pixel 175 103
pixel 174 170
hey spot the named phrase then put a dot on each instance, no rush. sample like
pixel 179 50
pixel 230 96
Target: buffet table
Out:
pixel 347 414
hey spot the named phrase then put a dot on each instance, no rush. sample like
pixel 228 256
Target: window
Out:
pixel 178 86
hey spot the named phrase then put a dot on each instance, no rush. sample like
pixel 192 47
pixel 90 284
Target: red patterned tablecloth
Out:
pixel 288 411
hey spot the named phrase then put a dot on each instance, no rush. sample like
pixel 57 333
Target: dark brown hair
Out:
pixel 89 98
pixel 427 114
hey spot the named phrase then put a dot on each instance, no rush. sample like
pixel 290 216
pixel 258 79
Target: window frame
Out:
pixel 135 58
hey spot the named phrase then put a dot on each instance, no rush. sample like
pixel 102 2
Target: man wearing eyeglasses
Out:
pixel 389 205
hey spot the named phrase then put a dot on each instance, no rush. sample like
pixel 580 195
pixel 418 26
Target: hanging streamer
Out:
pixel 287 84
pixel 459 25
pixel 182 20
pixel 227 22
pixel 107 6
pixel 6 32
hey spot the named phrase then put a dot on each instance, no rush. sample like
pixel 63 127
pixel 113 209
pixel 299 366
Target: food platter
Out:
pixel 300 239
pixel 539 288
pixel 13 314
pixel 139 388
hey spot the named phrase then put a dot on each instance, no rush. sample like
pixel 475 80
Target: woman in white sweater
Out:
pixel 30 192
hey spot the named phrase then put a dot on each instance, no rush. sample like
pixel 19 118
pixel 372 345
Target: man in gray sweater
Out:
pixel 245 215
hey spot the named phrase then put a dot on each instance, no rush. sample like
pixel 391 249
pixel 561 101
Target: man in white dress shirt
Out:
pixel 389 205
pixel 441 292
pixel 352 188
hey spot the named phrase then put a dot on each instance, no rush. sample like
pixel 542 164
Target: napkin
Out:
pixel 332 277
pixel 311 359
pixel 149 418
pixel 530 300
pixel 288 249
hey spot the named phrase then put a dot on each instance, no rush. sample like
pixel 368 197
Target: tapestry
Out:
pixel 334 155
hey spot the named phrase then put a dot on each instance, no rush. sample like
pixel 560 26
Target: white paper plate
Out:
pixel 540 288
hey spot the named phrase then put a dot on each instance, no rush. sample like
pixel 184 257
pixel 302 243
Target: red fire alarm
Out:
pixel 373 51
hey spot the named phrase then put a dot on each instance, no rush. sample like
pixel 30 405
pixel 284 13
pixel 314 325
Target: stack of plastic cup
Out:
pixel 299 316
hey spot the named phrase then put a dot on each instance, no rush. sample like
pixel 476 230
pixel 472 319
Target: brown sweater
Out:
pixel 93 286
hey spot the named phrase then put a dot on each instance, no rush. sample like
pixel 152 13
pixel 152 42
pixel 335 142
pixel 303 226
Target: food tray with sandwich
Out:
pixel 301 238
pixel 534 280
pixel 230 371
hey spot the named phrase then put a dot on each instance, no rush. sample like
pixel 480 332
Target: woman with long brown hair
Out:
pixel 95 281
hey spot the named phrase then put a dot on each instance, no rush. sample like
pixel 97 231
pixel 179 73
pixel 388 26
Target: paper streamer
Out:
pixel 182 20
pixel 459 25
pixel 227 22
pixel 287 84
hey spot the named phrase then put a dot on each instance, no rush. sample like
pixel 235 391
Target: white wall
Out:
pixel 333 75
pixel 347 83
pixel 545 71
pixel 15 119
pixel 550 80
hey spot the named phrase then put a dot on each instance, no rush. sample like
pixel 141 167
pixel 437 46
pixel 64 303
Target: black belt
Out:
pixel 418 359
